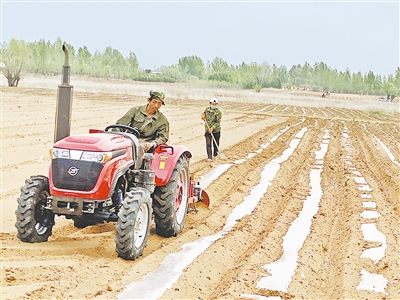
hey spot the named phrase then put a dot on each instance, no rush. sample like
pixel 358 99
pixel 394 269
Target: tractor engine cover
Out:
pixel 88 163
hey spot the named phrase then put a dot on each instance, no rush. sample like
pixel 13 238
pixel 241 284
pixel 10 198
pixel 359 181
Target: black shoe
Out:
pixel 113 217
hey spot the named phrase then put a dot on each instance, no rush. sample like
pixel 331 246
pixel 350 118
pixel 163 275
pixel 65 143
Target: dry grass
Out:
pixel 302 98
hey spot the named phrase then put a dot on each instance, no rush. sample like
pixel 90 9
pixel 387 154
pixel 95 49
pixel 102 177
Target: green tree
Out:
pixel 83 61
pixel 358 83
pixel 40 55
pixel 322 76
pixel 264 75
pixel 305 76
pixel 369 80
pixel 133 64
pixel 174 72
pixel 295 75
pixel 219 70
pixel 247 76
pixel 46 58
pixel 389 89
pixel 397 78
pixel 344 82
pixel 192 65
pixel 280 76
pixel 12 60
pixel 119 66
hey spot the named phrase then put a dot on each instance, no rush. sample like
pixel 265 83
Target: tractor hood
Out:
pixel 94 142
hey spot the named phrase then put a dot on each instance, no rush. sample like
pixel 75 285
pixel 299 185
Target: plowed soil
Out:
pixel 335 159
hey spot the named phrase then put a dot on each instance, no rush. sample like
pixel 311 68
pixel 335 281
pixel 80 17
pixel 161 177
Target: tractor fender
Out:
pixel 116 176
pixel 165 158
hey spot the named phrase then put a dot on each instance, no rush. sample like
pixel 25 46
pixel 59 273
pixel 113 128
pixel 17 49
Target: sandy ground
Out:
pixel 325 174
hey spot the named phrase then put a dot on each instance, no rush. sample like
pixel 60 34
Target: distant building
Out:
pixel 152 72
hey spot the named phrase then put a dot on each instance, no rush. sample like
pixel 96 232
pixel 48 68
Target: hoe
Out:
pixel 98 177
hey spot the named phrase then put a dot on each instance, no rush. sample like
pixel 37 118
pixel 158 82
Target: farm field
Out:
pixel 306 205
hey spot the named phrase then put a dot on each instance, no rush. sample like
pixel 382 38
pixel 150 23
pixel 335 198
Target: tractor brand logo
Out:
pixel 164 157
pixel 73 171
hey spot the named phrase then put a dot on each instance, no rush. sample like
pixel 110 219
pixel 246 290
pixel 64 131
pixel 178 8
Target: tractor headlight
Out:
pixel 59 153
pixel 99 157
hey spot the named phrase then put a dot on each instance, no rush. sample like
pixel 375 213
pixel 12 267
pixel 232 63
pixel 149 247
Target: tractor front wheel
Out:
pixel 133 224
pixel 171 201
pixel 34 222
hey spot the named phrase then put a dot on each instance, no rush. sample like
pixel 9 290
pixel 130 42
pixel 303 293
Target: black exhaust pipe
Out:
pixel 62 126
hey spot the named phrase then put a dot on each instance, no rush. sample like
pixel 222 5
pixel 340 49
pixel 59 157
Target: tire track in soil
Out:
pixel 387 223
pixel 373 162
pixel 387 137
pixel 328 256
pixel 383 177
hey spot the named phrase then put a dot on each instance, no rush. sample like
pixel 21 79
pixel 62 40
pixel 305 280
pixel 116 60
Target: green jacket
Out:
pixel 213 119
pixel 151 129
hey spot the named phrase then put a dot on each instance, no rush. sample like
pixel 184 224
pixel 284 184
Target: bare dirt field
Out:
pixel 305 207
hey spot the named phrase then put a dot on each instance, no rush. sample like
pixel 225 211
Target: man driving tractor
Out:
pixel 152 125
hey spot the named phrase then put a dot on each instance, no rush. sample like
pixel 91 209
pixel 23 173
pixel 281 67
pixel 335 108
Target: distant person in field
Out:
pixel 153 126
pixel 325 94
pixel 212 125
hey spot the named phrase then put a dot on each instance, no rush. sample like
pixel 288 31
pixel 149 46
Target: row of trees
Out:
pixel 47 58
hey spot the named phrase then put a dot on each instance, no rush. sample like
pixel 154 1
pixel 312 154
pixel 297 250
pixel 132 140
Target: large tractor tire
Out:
pixel 171 201
pixel 34 222
pixel 133 224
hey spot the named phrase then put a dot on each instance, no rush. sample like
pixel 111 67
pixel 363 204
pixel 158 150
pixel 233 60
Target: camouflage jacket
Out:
pixel 154 129
pixel 213 119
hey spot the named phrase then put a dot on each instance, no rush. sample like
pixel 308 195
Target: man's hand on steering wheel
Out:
pixel 149 145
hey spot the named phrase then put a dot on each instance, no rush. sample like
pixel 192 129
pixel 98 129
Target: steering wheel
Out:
pixel 127 129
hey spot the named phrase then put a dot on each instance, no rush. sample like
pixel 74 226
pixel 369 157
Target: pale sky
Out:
pixel 362 36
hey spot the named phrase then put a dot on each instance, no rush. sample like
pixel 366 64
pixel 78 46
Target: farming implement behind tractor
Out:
pixel 99 177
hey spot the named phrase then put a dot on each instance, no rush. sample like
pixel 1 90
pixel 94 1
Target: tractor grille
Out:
pixel 74 174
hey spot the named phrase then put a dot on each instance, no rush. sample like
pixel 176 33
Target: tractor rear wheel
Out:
pixel 171 201
pixel 133 224
pixel 34 222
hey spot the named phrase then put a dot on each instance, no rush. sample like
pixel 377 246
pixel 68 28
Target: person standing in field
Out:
pixel 212 125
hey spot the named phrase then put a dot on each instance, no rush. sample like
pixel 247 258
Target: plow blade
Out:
pixel 204 198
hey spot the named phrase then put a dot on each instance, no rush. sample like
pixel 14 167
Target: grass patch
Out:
pixel 378 113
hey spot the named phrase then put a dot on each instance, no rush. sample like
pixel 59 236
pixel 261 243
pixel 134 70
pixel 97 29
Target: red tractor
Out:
pixel 98 177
